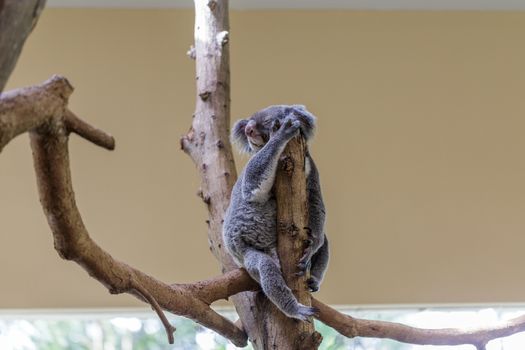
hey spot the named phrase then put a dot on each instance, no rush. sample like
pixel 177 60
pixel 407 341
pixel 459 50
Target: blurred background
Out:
pixel 420 145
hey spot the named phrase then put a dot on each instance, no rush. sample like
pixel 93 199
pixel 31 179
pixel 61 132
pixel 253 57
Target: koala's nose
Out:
pixel 250 129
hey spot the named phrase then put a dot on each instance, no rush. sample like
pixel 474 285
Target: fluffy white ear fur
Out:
pixel 238 137
pixel 301 107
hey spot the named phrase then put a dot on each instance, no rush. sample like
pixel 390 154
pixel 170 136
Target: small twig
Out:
pixel 170 329
pixel 88 132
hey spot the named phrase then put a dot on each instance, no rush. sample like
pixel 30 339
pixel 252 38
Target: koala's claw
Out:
pixel 276 125
pixel 304 313
pixel 313 284
pixel 290 127
pixel 305 259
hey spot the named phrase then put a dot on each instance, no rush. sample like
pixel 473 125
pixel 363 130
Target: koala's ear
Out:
pixel 238 137
pixel 307 120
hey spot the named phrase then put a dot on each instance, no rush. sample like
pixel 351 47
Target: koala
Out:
pixel 249 229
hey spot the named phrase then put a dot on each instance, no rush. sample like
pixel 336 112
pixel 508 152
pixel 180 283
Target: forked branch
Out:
pixel 42 111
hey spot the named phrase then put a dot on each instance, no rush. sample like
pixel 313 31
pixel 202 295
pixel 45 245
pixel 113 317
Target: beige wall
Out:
pixel 420 148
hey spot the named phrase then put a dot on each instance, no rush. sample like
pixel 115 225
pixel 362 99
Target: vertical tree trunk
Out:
pixel 208 145
pixel 208 142
pixel 17 19
pixel 292 220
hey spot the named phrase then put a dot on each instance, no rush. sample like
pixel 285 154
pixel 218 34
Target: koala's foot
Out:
pixel 313 284
pixel 303 312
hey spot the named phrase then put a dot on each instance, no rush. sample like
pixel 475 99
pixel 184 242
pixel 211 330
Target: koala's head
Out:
pixel 251 134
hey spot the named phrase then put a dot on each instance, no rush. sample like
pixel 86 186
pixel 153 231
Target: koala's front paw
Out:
pixel 288 129
pixel 276 125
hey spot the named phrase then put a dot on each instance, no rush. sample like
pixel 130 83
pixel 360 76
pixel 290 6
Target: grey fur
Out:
pixel 250 224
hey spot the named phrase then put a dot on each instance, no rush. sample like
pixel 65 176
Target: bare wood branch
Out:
pixel 28 108
pixel 49 142
pixel 208 144
pixel 353 327
pixel 222 287
pixel 17 20
pixel 170 329
pixel 86 131
pixel 24 109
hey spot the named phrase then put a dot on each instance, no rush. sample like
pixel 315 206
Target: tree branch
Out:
pixel 86 131
pixel 223 286
pixel 353 327
pixel 207 142
pixel 24 109
pixel 42 110
pixel 170 329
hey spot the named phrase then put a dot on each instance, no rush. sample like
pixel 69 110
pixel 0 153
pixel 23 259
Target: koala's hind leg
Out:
pixel 319 263
pixel 265 270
